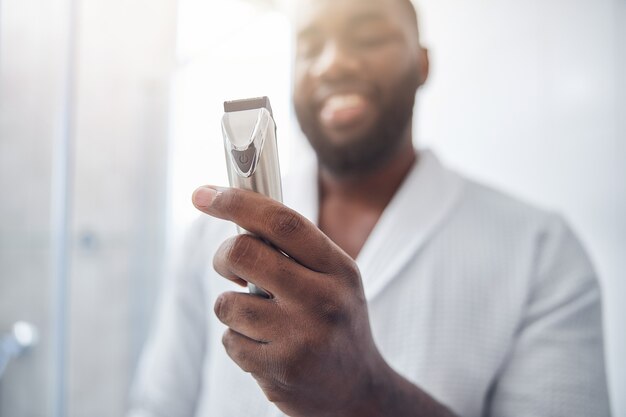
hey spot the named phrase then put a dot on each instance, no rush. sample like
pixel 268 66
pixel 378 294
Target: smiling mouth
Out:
pixel 343 110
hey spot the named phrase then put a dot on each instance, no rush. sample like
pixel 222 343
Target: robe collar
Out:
pixel 421 204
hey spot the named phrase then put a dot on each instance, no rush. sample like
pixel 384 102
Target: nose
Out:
pixel 335 62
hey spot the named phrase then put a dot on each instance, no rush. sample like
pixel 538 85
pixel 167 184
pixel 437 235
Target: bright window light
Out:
pixel 226 50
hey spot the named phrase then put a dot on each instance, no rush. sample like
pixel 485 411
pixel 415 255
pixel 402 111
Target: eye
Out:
pixel 309 47
pixel 371 41
pixel 372 37
pixel 308 51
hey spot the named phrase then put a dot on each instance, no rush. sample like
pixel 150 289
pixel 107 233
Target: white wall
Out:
pixel 529 96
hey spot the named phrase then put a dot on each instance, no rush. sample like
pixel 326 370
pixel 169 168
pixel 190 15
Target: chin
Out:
pixel 344 156
pixel 350 136
pixel 344 140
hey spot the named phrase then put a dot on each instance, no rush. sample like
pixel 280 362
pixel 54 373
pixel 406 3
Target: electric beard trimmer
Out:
pixel 249 134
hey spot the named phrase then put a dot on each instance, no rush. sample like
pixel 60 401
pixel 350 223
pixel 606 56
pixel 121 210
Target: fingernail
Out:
pixel 204 196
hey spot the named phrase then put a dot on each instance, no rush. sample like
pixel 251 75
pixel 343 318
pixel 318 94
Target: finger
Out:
pixel 283 227
pixel 245 352
pixel 228 273
pixel 255 317
pixel 249 258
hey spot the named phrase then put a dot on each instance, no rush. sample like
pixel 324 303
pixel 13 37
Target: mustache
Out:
pixel 328 89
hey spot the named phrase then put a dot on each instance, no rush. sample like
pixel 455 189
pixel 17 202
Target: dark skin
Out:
pixel 310 346
pixel 370 49
pixel 349 210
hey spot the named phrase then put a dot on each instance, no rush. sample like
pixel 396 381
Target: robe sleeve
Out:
pixel 169 377
pixel 556 365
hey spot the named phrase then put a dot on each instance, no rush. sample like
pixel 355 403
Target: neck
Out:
pixel 375 188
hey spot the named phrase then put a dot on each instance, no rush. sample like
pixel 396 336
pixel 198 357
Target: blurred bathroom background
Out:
pixel 109 119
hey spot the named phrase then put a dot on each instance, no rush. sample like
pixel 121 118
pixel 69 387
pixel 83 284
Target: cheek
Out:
pixel 302 91
pixel 393 61
pixel 394 69
pixel 301 105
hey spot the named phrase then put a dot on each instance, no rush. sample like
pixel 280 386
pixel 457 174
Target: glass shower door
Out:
pixel 84 111
pixel 34 56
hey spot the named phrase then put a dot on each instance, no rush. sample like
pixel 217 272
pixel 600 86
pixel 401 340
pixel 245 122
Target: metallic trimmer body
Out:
pixel 251 150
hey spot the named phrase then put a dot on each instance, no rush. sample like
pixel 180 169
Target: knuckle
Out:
pixel 222 253
pixel 331 313
pixel 273 392
pixel 349 271
pixel 273 395
pixel 250 314
pixel 330 310
pixel 234 350
pixel 289 274
pixel 230 200
pixel 229 309
pixel 352 269
pixel 239 248
pixel 227 339
pixel 284 222
pixel 223 306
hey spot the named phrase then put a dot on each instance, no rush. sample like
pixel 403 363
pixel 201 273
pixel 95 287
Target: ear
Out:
pixel 423 65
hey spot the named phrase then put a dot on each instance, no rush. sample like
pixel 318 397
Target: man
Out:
pixel 407 290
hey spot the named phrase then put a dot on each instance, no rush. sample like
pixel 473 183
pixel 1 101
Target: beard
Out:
pixel 365 153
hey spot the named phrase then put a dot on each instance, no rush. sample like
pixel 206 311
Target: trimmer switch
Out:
pixel 245 160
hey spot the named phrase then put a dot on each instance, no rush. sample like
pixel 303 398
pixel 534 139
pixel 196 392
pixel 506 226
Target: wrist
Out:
pixel 387 393
pixel 378 386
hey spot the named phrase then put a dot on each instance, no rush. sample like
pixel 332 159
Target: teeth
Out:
pixel 343 101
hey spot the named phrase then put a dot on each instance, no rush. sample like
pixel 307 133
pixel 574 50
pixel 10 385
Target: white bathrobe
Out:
pixel 488 304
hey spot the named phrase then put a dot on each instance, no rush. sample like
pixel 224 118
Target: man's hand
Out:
pixel 310 346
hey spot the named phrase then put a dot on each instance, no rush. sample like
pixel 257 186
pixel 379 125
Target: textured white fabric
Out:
pixel 489 305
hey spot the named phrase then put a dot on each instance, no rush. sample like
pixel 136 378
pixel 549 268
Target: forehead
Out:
pixel 314 12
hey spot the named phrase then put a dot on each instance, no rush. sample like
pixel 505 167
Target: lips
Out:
pixel 344 109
